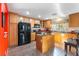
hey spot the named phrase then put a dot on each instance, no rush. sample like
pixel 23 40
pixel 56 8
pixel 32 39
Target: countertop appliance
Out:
pixel 36 25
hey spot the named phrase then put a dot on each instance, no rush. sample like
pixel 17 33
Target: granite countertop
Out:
pixel 43 34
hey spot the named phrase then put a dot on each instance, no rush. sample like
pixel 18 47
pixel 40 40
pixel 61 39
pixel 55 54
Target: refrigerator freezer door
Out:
pixel 21 40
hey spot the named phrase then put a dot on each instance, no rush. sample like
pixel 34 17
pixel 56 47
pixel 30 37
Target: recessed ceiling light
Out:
pixel 27 12
pixel 39 16
pixel 21 18
pixel 58 19
pixel 46 18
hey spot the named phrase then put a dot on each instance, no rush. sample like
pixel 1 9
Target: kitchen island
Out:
pixel 60 37
pixel 44 43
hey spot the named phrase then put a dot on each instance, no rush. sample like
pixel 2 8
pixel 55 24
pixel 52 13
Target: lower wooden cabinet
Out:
pixel 44 43
pixel 60 38
pixel 33 35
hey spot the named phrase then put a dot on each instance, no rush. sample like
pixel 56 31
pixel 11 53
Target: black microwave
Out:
pixel 36 25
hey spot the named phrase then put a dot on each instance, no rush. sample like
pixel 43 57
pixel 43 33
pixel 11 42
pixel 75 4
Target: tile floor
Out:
pixel 30 50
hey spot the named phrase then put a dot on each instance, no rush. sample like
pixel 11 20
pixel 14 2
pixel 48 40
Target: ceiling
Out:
pixel 44 10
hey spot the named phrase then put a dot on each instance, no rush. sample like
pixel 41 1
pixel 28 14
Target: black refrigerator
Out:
pixel 24 33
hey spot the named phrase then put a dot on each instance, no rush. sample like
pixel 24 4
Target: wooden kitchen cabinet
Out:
pixel 74 20
pixel 32 22
pixel 13 29
pixel 47 43
pixel 13 37
pixel 13 18
pixel 58 37
pixel 42 23
pixel 47 24
pixel 44 43
pixel 33 35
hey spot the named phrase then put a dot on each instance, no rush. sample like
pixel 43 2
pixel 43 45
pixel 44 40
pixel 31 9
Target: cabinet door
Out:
pixel 45 44
pixel 58 38
pixel 74 20
pixel 33 36
pixel 32 22
pixel 47 24
pixel 13 18
pixel 27 20
pixel 13 40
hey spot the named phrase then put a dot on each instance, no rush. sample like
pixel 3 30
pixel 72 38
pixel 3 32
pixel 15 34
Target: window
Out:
pixel 60 26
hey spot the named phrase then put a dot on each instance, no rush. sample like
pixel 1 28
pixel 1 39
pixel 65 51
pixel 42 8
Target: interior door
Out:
pixel 4 29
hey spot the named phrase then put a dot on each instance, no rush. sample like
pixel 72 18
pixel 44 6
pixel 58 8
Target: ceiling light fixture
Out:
pixel 21 19
pixel 39 16
pixel 27 12
pixel 58 19
pixel 46 18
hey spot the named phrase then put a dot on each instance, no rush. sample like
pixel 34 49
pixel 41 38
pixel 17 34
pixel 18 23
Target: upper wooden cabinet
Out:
pixel 27 20
pixel 37 21
pixel 13 18
pixel 74 20
pixel 47 24
pixel 32 22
